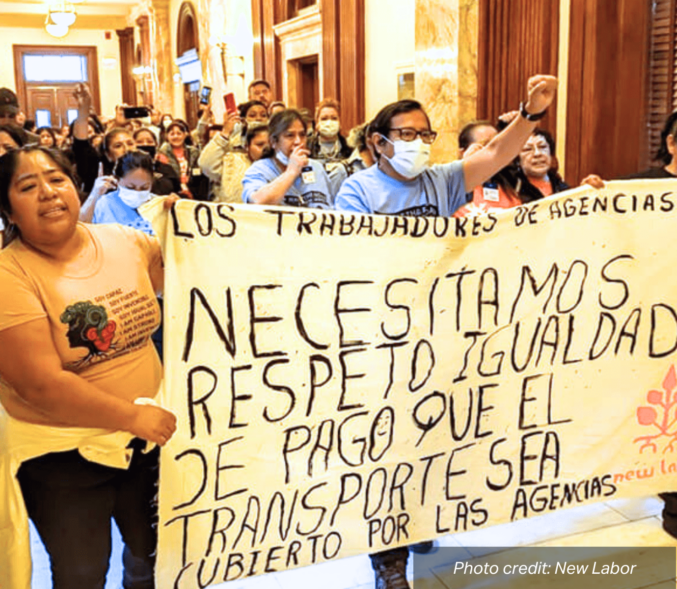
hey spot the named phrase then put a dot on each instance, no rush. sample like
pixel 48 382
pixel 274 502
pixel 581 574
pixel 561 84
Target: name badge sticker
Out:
pixel 490 192
pixel 308 175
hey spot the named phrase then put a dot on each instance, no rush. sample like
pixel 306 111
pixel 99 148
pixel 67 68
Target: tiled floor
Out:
pixel 625 522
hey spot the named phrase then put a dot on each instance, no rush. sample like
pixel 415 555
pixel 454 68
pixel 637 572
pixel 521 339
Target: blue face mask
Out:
pixel 283 159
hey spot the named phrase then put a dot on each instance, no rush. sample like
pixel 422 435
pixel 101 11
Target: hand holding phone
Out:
pixel 205 94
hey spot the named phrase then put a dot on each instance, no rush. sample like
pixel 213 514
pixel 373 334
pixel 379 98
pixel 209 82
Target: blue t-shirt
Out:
pixel 438 191
pixel 317 195
pixel 111 209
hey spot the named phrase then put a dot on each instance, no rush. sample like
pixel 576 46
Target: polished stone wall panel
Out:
pixel 446 68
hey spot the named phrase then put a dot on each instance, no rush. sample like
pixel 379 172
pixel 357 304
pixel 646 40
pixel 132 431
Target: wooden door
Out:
pixel 66 103
pixel 308 92
pixel 41 107
pixel 50 105
pixel 606 88
pixel 51 91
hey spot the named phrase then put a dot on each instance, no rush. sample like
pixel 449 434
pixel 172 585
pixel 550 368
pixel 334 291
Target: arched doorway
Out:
pixel 187 39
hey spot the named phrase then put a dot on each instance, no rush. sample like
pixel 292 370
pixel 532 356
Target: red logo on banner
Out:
pixel 661 416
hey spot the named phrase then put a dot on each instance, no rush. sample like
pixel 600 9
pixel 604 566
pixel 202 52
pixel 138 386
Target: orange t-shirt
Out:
pixel 101 316
pixel 543 184
pixel 487 198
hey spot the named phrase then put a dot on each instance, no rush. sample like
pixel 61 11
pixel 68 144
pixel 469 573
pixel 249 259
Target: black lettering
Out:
pixel 346 376
pixel 254 319
pixel 314 382
pixel 622 283
pixel 205 231
pixel 203 484
pixel 300 325
pixel 201 401
pixel 220 213
pixel 227 340
pixel 338 311
pixel 653 352
pixel 234 397
pixel 175 224
pixel 303 224
pixel 280 389
pixel 407 310
pixel 502 463
pixel 491 299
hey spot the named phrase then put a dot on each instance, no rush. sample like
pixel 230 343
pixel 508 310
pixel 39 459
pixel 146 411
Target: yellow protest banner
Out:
pixel 346 383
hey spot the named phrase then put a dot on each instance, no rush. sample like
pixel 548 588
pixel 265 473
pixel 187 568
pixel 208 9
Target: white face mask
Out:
pixel 328 128
pixel 255 124
pixel 134 198
pixel 411 158
pixel 283 159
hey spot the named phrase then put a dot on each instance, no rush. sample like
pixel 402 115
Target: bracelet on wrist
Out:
pixel 525 114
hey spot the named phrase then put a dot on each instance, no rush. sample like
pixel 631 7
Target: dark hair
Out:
pixel 276 103
pixel 279 123
pixel 92 120
pixel 17 134
pixel 382 121
pixel 357 138
pixel 47 130
pixel 29 125
pixel 108 138
pixel 8 165
pixel 266 83
pixel 133 160
pixel 145 130
pixel 252 133
pixel 244 108
pixel 669 129
pixel 549 139
pixel 465 137
pixel 183 126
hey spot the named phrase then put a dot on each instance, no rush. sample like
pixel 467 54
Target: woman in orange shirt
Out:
pixel 532 176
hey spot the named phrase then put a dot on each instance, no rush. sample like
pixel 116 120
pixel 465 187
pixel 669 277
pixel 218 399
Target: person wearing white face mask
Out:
pixel 285 175
pixel 328 145
pixel 134 174
pixel 403 182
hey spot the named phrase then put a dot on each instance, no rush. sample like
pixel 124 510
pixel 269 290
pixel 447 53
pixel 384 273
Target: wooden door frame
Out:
pixel 87 50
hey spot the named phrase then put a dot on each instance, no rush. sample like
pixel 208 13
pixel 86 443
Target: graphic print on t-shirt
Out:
pixel 427 210
pixel 312 199
pixel 89 327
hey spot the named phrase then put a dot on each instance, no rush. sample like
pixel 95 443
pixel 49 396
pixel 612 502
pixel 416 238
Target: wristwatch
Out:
pixel 531 117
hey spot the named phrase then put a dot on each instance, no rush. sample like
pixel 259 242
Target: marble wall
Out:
pixel 446 68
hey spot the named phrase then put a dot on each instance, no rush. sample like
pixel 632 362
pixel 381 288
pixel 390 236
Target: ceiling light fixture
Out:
pixel 62 13
pixel 55 29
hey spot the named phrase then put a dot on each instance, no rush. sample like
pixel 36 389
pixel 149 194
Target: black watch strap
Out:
pixel 531 117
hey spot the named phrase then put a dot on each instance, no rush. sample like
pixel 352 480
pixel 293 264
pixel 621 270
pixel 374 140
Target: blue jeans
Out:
pixel 71 502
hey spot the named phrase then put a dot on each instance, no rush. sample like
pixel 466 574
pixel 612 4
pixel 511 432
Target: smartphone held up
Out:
pixel 229 100
pixel 205 94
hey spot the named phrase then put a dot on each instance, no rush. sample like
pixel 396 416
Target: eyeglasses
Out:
pixel 409 134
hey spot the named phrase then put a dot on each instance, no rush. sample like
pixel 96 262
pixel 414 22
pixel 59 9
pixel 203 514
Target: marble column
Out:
pixel 163 80
pixel 446 68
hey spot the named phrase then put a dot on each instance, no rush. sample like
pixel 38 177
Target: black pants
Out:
pixel 390 556
pixel 670 513
pixel 71 502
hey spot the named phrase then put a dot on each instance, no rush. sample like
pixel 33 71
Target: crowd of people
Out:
pixel 72 375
